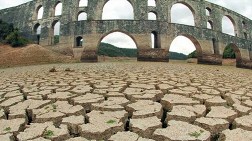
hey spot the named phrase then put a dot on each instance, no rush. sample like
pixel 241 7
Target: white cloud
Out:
pixel 117 9
pixel 186 47
pixel 120 40
pixel 11 3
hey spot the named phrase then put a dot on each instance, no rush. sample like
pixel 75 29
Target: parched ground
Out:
pixel 30 55
pixel 125 101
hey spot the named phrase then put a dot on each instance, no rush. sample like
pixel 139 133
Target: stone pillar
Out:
pixel 208 55
pixel 146 53
pixel 153 55
pixel 89 53
pixel 244 61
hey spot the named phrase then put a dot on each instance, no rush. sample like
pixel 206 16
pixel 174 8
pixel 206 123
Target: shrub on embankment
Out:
pixel 11 35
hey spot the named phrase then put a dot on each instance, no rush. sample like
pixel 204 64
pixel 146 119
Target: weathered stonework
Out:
pixel 209 43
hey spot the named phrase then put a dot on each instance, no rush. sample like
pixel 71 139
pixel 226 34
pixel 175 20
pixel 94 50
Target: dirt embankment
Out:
pixel 29 55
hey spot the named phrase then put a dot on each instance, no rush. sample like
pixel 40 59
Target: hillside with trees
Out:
pixel 113 51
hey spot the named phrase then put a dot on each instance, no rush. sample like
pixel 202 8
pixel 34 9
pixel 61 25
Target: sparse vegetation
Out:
pixel 56 39
pixel 8 129
pixel 48 134
pixel 54 106
pixel 196 134
pixel 111 121
pixel 11 35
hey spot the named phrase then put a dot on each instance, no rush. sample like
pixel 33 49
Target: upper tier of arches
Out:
pixel 161 10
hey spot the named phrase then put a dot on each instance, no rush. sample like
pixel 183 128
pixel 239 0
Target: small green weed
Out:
pixel 48 133
pixel 196 134
pixel 111 121
pixel 7 129
pixel 54 106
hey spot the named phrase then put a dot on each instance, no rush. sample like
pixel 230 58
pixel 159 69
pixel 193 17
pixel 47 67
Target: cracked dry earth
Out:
pixel 126 102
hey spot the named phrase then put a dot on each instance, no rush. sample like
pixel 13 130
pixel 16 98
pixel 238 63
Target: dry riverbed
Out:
pixel 125 101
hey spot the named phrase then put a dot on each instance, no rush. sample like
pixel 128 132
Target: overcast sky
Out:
pixel 180 44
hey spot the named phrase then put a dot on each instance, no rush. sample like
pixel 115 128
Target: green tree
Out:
pixel 15 39
pixel 193 55
pixel 56 39
pixel 11 35
pixel 5 30
pixel 229 53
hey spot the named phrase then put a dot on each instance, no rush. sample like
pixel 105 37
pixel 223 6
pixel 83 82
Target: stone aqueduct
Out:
pixel 209 43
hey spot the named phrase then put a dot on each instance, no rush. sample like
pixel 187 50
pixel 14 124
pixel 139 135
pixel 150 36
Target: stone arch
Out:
pixel 245 35
pixel 209 24
pixel 236 51
pixel 229 20
pixel 152 3
pixel 79 41
pixel 115 16
pixel 39 12
pixel 152 15
pixel 37 32
pixel 194 41
pixel 208 11
pixel 55 33
pixel 83 3
pixel 243 24
pixel 155 40
pixel 82 16
pixel 187 7
pixel 36 28
pixel 121 31
pixel 58 8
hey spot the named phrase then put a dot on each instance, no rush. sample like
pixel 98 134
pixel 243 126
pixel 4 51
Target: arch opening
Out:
pixel 243 24
pixel 210 24
pixel 228 25
pixel 56 32
pixel 117 44
pixel 40 12
pixel 58 9
pixel 79 41
pixel 152 16
pixel 152 3
pixel 208 11
pixel 115 10
pixel 37 31
pixel 83 3
pixel 178 15
pixel 187 46
pixel 245 35
pixel 232 52
pixel 82 16
pixel 155 41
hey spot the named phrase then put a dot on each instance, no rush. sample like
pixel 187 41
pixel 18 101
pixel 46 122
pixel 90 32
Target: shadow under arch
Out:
pixel 120 31
pixel 236 51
